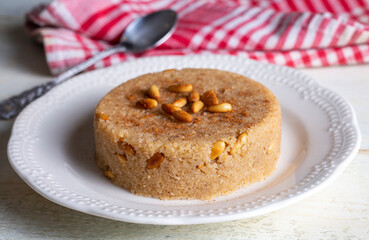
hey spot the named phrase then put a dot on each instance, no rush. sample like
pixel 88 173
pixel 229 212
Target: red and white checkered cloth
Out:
pixel 297 33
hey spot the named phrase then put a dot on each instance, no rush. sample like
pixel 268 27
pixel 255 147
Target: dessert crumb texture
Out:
pixel 175 159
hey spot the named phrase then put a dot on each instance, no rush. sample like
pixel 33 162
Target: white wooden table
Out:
pixel 340 211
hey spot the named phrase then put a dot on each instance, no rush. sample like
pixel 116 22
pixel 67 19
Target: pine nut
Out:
pixel 122 158
pixel 102 116
pixel 169 70
pixel 182 116
pixel 197 106
pixel 241 140
pixel 209 98
pixel 147 103
pixel 154 92
pixel 193 97
pixel 169 108
pixel 127 148
pixel 220 108
pixel 180 102
pixel 155 160
pixel 109 174
pixel 217 149
pixel 181 88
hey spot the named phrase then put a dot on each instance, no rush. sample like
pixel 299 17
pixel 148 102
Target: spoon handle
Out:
pixel 10 108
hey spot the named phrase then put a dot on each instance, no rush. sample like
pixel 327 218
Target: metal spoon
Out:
pixel 142 34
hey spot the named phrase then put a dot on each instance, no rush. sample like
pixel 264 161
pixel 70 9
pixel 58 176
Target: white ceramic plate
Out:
pixel 52 147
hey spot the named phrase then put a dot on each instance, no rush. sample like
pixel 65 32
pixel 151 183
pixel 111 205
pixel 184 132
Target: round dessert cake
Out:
pixel 187 134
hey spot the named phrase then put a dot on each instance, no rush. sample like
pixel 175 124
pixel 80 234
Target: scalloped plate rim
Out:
pixel 182 220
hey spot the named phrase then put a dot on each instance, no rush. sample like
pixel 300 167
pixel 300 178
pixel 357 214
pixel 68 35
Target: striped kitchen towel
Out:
pixel 297 33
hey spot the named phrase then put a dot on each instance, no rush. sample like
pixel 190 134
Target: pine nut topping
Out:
pixel 193 97
pixel 147 103
pixel 155 160
pixel 220 108
pixel 169 70
pixel 209 98
pixel 197 106
pixel 241 140
pixel 217 149
pixel 180 102
pixel 181 88
pixel 169 108
pixel 154 92
pixel 182 116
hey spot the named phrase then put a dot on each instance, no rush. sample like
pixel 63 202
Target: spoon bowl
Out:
pixel 149 31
